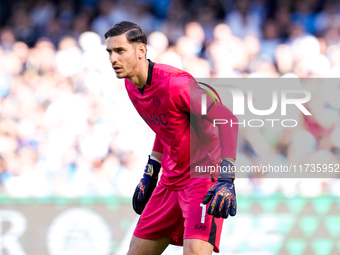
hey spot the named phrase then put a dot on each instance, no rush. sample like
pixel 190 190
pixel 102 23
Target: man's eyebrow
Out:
pixel 115 49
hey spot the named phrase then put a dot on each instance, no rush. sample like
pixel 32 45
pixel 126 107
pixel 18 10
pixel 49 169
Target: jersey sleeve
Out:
pixel 186 96
pixel 228 133
pixel 157 145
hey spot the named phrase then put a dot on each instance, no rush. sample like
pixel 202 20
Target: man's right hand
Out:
pixel 146 186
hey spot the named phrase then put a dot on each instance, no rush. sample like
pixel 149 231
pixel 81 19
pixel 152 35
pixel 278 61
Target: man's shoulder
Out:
pixel 178 79
pixel 173 72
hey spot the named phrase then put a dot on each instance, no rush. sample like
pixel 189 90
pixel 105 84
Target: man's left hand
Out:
pixel 222 194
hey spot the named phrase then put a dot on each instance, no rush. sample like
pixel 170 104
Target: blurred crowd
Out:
pixel 67 127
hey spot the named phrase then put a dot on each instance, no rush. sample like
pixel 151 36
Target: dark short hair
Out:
pixel 133 32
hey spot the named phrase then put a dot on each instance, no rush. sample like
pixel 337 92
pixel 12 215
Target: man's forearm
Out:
pixel 232 160
pixel 157 155
pixel 228 133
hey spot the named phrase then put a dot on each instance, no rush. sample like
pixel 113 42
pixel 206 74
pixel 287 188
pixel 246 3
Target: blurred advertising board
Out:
pixel 63 226
pixel 272 225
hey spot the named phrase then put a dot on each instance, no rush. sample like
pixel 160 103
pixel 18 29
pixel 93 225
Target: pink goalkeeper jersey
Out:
pixel 165 106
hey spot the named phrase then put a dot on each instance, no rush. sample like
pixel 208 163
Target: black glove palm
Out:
pixel 222 193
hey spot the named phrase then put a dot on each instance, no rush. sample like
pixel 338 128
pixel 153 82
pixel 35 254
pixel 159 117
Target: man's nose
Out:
pixel 113 58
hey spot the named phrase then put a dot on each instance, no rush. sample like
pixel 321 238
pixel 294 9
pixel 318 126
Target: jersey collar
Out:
pixel 149 79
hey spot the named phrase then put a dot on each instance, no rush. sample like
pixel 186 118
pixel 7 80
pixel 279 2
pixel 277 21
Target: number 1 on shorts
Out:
pixel 203 212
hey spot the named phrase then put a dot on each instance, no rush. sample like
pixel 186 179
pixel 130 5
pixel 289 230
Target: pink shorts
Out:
pixel 180 214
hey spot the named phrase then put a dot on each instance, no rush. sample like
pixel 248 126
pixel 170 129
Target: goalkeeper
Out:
pixel 179 210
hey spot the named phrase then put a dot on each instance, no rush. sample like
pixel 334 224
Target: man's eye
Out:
pixel 121 51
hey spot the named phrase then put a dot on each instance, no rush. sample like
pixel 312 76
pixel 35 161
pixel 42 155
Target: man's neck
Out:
pixel 141 75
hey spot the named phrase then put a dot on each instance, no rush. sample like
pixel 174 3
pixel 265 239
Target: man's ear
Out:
pixel 141 49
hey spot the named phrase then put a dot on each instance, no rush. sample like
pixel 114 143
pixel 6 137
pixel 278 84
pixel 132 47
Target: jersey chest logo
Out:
pixel 156 101
pixel 155 119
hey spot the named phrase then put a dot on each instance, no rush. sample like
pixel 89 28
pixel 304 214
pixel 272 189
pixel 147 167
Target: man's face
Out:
pixel 123 56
